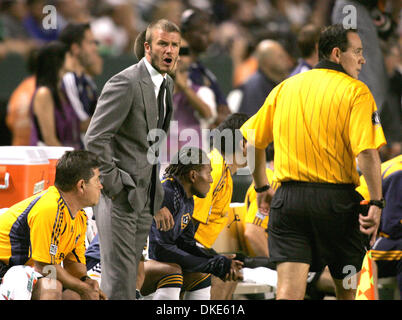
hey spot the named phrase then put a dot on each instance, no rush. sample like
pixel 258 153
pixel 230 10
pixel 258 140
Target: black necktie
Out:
pixel 161 118
pixel 161 107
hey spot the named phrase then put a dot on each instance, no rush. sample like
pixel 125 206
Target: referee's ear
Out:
pixel 336 55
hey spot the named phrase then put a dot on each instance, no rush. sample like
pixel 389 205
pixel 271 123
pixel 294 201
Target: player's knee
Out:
pixel 47 289
pixel 204 281
pixel 247 233
pixel 172 268
pixel 250 231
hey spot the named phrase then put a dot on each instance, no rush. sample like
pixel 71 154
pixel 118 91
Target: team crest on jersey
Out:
pixel 185 219
pixel 375 118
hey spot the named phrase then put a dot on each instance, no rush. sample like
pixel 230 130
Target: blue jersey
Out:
pixel 178 244
pixel 391 217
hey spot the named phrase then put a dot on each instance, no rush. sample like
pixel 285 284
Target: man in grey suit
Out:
pixel 133 103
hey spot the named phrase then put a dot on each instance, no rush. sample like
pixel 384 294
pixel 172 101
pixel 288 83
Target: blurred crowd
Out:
pixel 235 28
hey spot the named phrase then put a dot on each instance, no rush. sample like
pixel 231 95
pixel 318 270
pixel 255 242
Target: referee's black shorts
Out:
pixel 317 224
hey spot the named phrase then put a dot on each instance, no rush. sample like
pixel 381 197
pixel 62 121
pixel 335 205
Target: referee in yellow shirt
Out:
pixel 320 121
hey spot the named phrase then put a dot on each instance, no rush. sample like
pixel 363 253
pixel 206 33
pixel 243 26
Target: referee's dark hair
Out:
pixel 226 137
pixel 334 36
pixel 73 33
pixel 74 166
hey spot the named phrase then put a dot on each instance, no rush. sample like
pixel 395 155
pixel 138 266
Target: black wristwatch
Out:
pixel 378 203
pixel 84 278
pixel 261 189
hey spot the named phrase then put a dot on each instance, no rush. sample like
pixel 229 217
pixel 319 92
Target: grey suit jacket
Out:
pixel 126 111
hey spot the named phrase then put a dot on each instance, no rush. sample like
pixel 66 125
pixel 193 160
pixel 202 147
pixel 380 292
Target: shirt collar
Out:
pixel 326 64
pixel 156 77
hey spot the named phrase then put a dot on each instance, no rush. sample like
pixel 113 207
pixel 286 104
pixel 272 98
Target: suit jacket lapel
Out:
pixel 148 96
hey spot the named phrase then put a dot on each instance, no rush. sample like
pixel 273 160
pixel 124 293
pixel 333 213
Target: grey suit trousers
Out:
pixel 122 237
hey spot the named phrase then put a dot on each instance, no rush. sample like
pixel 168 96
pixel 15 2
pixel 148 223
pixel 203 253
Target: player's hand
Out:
pixel 95 286
pixel 164 219
pixel 89 293
pixel 92 291
pixel 92 283
pixel 264 201
pixel 370 223
pixel 235 271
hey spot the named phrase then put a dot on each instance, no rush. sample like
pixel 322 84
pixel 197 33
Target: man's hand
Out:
pixel 87 292
pixel 264 201
pixel 235 269
pixel 164 219
pixel 370 223
pixel 95 285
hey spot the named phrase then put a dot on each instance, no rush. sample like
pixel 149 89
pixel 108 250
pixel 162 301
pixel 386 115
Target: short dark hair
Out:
pixel 229 131
pixel 187 159
pixel 74 166
pixel 307 39
pixel 73 33
pixel 334 36
pixel 163 24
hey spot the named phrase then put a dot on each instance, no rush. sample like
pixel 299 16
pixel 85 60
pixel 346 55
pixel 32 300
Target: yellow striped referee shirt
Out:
pixel 320 121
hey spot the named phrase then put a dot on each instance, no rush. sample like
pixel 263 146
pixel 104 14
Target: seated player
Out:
pixel 211 212
pixel 176 250
pixel 387 250
pixel 256 224
pixel 39 234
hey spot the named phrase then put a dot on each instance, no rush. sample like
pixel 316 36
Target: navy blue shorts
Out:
pixel 317 224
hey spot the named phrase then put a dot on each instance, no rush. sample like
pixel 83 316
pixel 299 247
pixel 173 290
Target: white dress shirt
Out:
pixel 157 80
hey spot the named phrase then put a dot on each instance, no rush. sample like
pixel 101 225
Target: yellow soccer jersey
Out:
pixel 41 228
pixel 212 211
pixel 250 203
pixel 320 120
